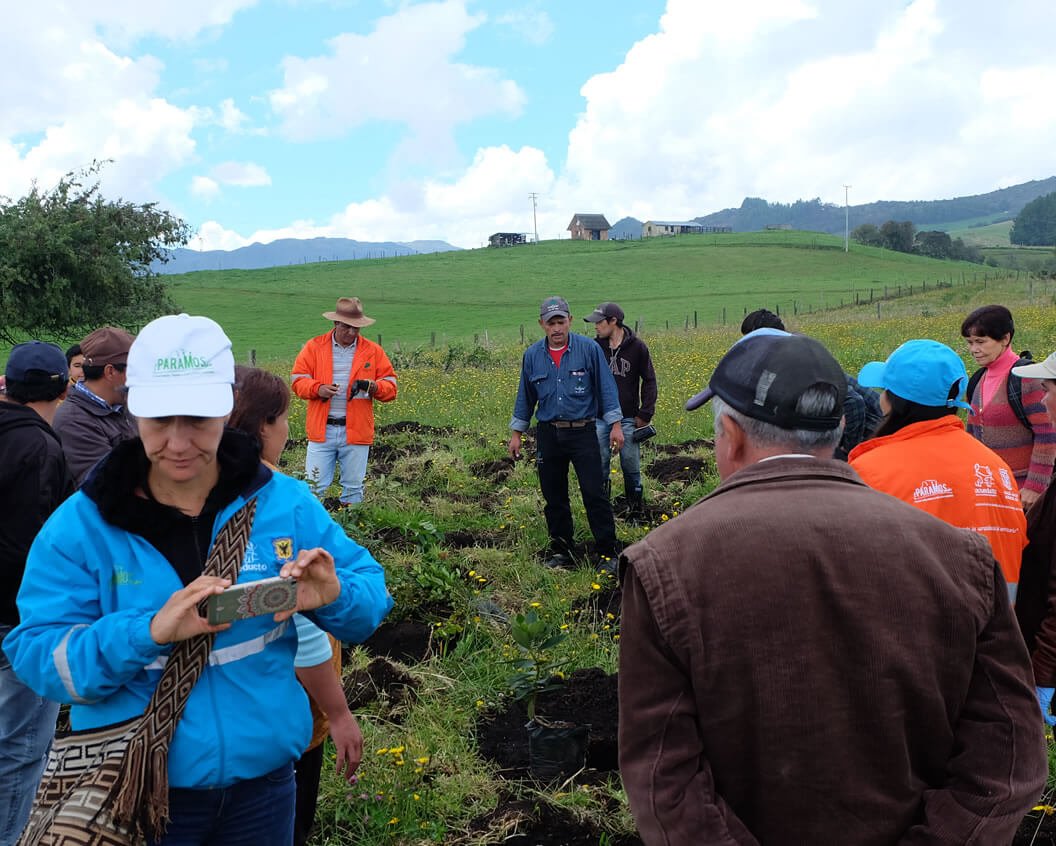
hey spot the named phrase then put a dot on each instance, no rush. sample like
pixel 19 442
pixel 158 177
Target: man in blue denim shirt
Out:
pixel 566 381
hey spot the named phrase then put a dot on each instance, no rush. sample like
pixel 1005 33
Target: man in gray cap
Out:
pixel 34 480
pixel 806 660
pixel 566 383
pixel 94 418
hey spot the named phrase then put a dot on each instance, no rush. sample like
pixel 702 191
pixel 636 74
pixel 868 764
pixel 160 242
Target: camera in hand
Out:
pixel 360 385
pixel 643 433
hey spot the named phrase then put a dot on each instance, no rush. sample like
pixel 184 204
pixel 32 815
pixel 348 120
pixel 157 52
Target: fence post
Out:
pixel 379 339
pixel 695 316
pixel 432 339
pixel 522 334
pixel 878 309
pixel 795 308
pixel 253 358
pixel 636 326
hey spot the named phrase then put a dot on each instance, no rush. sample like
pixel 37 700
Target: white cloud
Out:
pixel 241 174
pixel 404 72
pixel 532 24
pixel 791 100
pixel 204 188
pixel 491 196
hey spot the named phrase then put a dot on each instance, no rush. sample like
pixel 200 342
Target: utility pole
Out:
pixel 535 224
pixel 846 221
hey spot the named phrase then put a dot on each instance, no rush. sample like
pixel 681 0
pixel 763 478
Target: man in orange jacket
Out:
pixel 341 374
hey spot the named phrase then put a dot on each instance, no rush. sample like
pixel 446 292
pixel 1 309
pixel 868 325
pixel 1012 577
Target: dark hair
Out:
pixel 992 321
pixel 260 397
pixel 96 371
pixel 72 353
pixel 905 412
pixel 761 318
pixel 35 391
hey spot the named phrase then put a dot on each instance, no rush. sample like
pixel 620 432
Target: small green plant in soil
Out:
pixel 534 669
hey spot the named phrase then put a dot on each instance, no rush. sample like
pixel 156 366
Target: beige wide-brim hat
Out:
pixel 349 311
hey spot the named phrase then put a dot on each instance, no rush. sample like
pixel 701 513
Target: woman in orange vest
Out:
pixel 922 454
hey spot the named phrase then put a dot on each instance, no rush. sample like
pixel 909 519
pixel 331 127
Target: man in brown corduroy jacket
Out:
pixel 804 660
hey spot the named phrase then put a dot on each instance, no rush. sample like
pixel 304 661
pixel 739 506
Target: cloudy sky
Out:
pixel 385 120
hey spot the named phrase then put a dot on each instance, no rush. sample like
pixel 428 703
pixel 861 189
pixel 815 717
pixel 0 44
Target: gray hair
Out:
pixel 815 402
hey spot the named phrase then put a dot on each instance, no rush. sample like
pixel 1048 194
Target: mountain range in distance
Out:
pixel 287 251
pixel 752 215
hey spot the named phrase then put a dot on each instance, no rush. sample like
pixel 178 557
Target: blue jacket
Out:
pixel 87 599
pixel 582 387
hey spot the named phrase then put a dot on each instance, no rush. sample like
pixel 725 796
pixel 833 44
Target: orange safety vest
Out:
pixel 938 467
pixel 315 366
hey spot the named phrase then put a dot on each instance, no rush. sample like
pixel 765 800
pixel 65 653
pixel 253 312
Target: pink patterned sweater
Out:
pixel 1029 452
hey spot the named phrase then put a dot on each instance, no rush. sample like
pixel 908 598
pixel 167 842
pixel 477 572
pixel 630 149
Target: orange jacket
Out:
pixel 938 467
pixel 315 366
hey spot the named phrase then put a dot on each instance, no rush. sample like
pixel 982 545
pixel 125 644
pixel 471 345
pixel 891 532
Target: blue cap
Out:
pixel 36 361
pixel 920 371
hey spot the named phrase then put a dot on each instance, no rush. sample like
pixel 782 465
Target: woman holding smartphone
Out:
pixel 102 605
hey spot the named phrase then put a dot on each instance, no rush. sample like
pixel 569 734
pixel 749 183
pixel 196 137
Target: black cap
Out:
pixel 766 372
pixel 605 311
pixel 554 307
pixel 36 362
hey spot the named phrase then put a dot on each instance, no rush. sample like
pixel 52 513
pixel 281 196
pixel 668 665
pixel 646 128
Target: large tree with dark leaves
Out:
pixel 1036 224
pixel 71 260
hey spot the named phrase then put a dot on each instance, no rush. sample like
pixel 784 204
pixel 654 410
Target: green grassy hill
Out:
pixel 661 283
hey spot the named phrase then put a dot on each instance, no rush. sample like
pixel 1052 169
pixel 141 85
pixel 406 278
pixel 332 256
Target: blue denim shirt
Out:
pixel 581 387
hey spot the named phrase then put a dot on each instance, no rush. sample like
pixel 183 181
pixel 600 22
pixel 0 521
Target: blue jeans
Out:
pixel 630 457
pixel 322 458
pixel 255 812
pixel 27 725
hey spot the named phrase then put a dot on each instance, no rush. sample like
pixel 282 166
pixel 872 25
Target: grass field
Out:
pixel 454 297
pixel 989 235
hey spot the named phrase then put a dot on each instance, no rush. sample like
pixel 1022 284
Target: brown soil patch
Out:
pixel 380 679
pixel 528 822
pixel 494 471
pixel 1037 829
pixel 408 641
pixel 415 427
pixel 587 696
pixel 682 468
pixel 684 447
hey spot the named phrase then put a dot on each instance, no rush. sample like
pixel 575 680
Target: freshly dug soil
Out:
pixel 494 471
pixel 379 679
pixel 587 696
pixel 1037 829
pixel 530 823
pixel 680 468
pixel 407 641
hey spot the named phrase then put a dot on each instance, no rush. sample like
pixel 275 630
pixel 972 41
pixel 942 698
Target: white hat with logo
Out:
pixel 181 365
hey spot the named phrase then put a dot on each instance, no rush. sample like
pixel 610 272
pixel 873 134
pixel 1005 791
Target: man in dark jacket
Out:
pixel 632 368
pixel 787 678
pixel 94 419
pixel 34 480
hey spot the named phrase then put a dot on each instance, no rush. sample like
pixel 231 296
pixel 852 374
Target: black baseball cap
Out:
pixel 605 311
pixel 36 362
pixel 766 372
pixel 554 307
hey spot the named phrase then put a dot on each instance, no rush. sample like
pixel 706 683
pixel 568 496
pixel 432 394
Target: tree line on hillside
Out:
pixel 904 238
pixel 756 213
pixel 1036 224
pixel 71 260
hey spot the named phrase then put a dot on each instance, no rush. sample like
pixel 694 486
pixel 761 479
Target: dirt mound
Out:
pixel 494 471
pixel 462 538
pixel 595 608
pixel 528 822
pixel 408 641
pixel 380 678
pixel 681 468
pixel 684 447
pixel 587 696
pixel 415 427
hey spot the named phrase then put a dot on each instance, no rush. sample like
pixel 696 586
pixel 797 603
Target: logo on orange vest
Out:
pixel 984 481
pixel 931 489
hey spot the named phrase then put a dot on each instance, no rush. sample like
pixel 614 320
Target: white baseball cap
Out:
pixel 181 365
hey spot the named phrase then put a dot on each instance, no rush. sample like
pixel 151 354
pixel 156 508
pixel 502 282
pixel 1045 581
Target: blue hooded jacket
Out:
pixel 91 589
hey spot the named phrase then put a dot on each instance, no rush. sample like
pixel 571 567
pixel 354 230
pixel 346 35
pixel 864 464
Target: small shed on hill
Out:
pixel 589 227
pixel 506 239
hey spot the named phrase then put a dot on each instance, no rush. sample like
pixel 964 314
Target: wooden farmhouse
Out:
pixel 589 227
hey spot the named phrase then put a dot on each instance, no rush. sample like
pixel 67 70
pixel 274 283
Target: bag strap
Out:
pixel 140 796
pixel 973 381
pixel 1014 389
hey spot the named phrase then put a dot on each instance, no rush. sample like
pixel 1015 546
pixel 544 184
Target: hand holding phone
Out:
pixel 252 599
